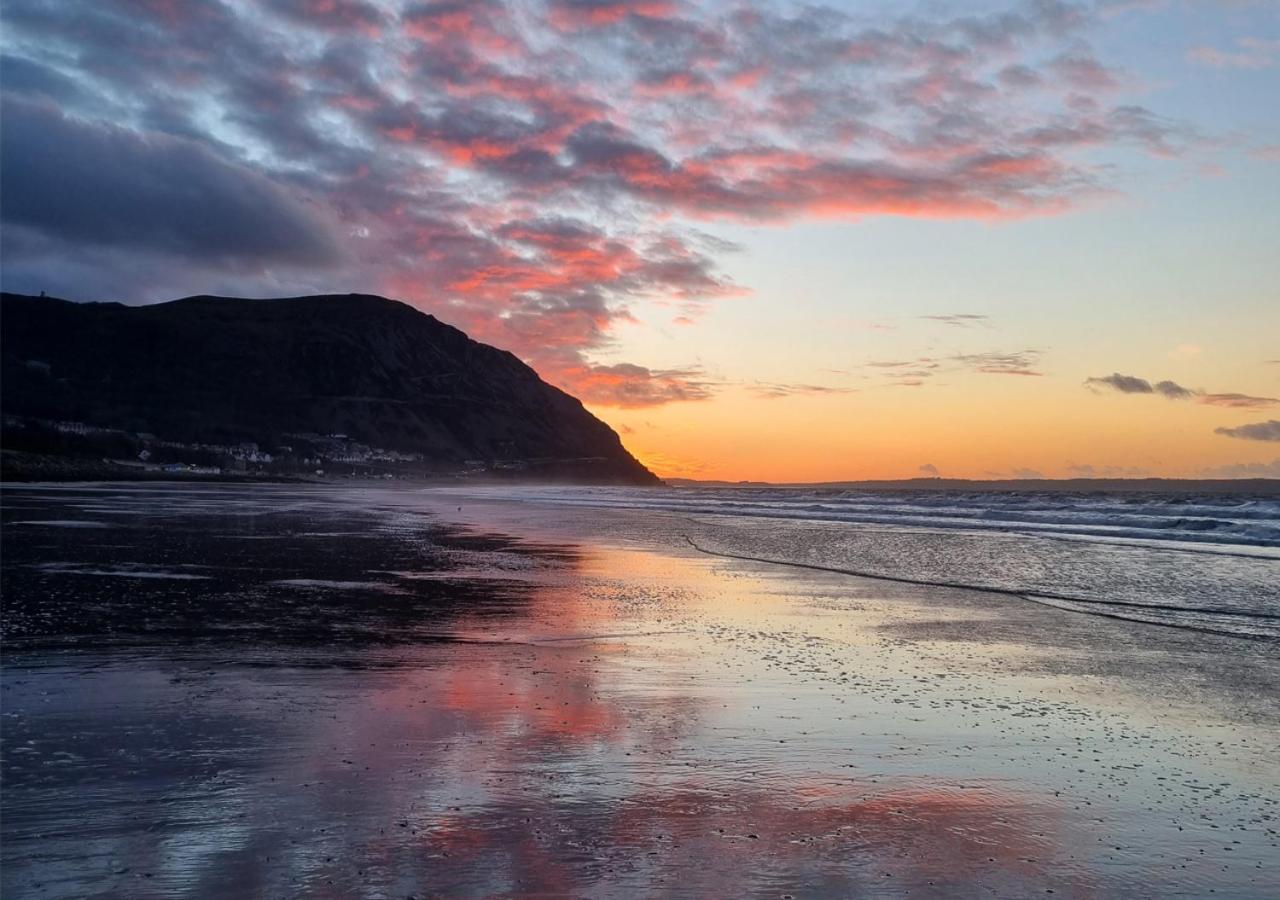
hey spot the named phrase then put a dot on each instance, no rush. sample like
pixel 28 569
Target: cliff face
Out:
pixel 222 370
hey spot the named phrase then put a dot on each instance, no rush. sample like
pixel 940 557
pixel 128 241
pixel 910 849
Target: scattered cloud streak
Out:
pixel 1247 53
pixel 960 320
pixel 777 391
pixel 1018 363
pixel 1237 401
pixel 914 372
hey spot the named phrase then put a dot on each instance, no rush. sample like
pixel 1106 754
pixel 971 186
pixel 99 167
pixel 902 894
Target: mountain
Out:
pixel 223 371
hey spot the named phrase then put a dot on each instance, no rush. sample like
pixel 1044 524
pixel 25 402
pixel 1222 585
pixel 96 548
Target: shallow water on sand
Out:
pixel 351 699
pixel 1207 563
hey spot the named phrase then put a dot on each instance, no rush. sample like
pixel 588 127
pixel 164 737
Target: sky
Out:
pixel 768 241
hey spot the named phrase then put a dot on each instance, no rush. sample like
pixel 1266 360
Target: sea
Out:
pixel 1209 562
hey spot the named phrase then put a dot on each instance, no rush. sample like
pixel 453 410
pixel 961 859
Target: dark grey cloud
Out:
pixel 1019 76
pixel 19 75
pixel 101 185
pixel 1132 384
pixel 1256 431
pixel 1172 390
pixel 1125 384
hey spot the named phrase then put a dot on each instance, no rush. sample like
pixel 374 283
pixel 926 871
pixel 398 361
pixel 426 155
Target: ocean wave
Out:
pixel 1229 524
pixel 1208 564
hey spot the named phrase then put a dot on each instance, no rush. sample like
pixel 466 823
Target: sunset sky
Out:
pixel 763 241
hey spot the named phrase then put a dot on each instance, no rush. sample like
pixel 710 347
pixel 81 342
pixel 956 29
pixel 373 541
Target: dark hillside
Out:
pixel 220 370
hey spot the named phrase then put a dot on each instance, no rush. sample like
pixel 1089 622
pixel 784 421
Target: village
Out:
pixel 146 453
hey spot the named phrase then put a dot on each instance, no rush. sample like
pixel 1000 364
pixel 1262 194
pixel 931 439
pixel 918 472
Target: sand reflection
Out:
pixel 546 762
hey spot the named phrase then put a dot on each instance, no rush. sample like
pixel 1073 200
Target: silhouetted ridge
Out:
pixel 221 370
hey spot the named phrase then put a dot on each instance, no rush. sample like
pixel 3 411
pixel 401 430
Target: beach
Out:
pixel 383 692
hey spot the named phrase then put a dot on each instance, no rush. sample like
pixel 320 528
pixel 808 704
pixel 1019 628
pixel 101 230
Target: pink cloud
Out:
pixel 534 178
pixel 334 15
pixel 1248 53
pixel 630 386
pixel 575 14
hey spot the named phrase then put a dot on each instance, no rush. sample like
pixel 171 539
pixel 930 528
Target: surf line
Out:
pixel 1009 592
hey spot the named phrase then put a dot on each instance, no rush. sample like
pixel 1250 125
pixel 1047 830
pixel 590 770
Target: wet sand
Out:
pixel 214 691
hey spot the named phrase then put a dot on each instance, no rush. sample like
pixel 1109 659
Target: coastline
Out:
pixel 20 467
pixel 605 711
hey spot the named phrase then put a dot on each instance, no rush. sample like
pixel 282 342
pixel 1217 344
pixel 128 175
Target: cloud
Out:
pixel 775 391
pixel 531 178
pixel 960 320
pixel 930 470
pixel 1019 363
pixel 1237 401
pixel 1172 390
pixel 332 15
pixel 1248 53
pixel 906 372
pixel 1131 384
pixel 913 372
pixel 630 386
pixel 1257 431
pixel 99 185
pixel 1125 384
pixel 23 76
pixel 576 14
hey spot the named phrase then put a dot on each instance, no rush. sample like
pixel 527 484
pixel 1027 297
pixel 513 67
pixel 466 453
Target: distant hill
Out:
pixel 1252 486
pixel 220 370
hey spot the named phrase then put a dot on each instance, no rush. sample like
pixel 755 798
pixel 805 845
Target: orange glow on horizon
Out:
pixel 1004 428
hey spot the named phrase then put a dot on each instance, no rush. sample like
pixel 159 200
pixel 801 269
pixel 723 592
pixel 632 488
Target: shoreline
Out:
pixel 1033 622
pixel 82 471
